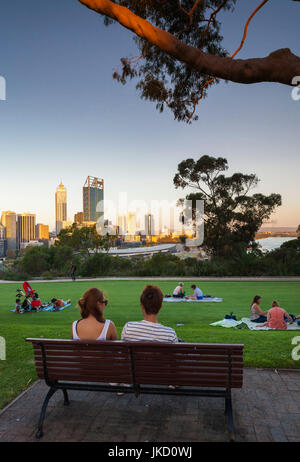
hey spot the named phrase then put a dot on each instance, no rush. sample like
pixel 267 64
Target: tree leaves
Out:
pixel 162 79
pixel 232 217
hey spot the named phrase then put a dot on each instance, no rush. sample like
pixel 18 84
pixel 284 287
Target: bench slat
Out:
pixel 202 365
pixel 147 367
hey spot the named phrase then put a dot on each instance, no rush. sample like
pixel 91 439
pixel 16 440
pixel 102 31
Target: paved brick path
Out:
pixel 266 409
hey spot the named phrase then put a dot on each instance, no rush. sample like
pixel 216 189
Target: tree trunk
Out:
pixel 280 66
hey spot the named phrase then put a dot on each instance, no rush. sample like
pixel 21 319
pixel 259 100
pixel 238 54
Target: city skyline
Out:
pixel 164 218
pixel 78 119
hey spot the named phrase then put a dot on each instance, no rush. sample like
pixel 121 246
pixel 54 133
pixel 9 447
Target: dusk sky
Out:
pixel 66 118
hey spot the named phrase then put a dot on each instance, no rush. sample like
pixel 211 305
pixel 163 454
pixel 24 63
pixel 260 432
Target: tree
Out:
pixel 231 216
pixel 181 53
pixel 36 260
pixel 82 239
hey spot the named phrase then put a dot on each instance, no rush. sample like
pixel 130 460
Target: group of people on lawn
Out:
pixel 275 317
pixel 93 325
pixel 180 293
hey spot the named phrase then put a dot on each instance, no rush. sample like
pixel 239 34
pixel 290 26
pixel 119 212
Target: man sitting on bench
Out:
pixel 149 329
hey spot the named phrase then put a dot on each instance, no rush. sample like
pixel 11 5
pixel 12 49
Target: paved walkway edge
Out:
pixel 2 411
pixel 158 278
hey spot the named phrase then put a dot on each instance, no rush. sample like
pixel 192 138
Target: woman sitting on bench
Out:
pixel 93 325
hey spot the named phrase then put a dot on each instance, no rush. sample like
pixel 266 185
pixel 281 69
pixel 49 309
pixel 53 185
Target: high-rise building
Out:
pixel 131 224
pixel 93 193
pixel 149 225
pixel 3 241
pixel 60 207
pixel 122 224
pixel 25 228
pixel 78 217
pixel 9 221
pixel 42 232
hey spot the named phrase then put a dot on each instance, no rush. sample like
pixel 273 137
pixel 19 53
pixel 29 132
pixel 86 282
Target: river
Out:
pixel 271 243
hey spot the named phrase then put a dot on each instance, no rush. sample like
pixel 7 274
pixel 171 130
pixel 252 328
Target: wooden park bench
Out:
pixel 198 369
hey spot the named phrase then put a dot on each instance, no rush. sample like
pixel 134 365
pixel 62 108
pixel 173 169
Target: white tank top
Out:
pixel 254 314
pixel 102 336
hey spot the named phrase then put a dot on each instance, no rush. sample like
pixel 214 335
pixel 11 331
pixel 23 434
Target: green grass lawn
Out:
pixel 264 349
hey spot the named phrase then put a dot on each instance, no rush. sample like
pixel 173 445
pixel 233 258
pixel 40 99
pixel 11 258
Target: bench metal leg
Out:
pixel 66 397
pixel 50 393
pixel 229 414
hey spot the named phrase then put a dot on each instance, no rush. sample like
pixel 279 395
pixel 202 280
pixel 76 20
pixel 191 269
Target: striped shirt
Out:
pixel 148 331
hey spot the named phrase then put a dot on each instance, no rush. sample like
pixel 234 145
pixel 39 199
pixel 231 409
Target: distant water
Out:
pixel 271 243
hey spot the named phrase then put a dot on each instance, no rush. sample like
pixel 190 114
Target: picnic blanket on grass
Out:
pixel 49 307
pixel 251 325
pixel 204 300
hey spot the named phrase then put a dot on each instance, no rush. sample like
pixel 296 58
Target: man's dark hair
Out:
pixel 151 299
pixel 193 286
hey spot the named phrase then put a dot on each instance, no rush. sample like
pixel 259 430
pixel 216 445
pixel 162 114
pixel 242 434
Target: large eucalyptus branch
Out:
pixel 281 66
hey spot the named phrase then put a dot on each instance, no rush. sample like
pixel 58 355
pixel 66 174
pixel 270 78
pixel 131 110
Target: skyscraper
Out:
pixel 93 193
pixel 25 228
pixel 122 224
pixel 3 241
pixel 131 224
pixel 60 207
pixel 9 221
pixel 149 225
pixel 42 232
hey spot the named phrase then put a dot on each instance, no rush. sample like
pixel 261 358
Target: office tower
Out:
pixel 3 241
pixel 131 224
pixel 60 207
pixel 25 227
pixel 122 225
pixel 78 217
pixel 93 193
pixel 149 225
pixel 42 232
pixel 9 221
pixel 172 220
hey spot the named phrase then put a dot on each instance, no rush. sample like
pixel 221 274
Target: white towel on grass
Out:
pixel 227 323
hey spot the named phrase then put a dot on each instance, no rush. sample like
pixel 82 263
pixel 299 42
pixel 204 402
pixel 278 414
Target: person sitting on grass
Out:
pixel 59 303
pixel 19 308
pixel 93 325
pixel 197 295
pixel 36 302
pixel 257 315
pixel 26 306
pixel 149 328
pixel 178 291
pixel 277 317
